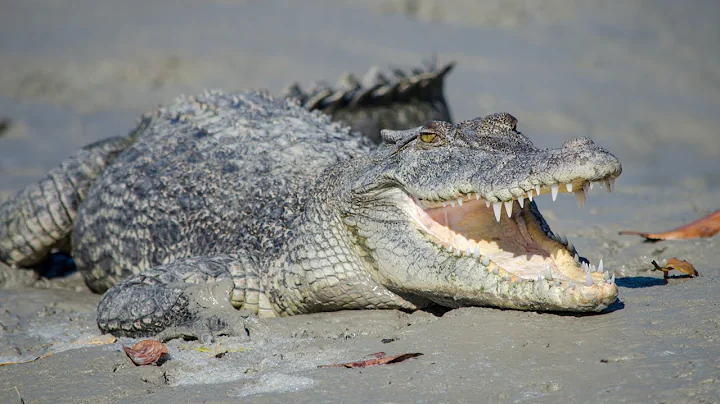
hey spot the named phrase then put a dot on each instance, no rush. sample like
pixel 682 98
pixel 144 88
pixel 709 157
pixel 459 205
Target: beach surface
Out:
pixel 641 78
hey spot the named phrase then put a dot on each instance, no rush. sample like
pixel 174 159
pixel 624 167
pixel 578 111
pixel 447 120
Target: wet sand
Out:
pixel 641 78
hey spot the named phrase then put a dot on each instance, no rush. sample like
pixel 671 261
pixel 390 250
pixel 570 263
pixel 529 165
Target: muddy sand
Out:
pixel 641 78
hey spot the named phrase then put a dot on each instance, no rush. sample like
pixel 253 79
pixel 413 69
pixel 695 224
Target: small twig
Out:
pixel 19 396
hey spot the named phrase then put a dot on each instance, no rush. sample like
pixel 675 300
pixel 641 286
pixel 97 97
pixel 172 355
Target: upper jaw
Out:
pixel 504 176
pixel 502 199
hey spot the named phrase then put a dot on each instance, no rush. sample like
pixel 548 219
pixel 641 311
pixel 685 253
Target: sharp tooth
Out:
pixel 548 273
pixel 477 196
pixel 530 193
pixel 586 187
pixel 588 279
pixel 508 208
pixel 592 184
pixel 557 282
pixel 580 197
pixel 450 249
pixel 583 266
pixel 592 268
pixel 554 190
pixel 609 184
pixel 571 247
pixel 568 186
pixel 521 202
pixel 537 189
pixel 539 278
pixel 460 201
pixel 563 239
pixel 476 252
pixel 452 202
pixel 496 271
pixel 600 266
pixel 444 204
pixel 612 279
pixel 519 279
pixel 458 252
pixel 487 203
pixel 496 207
pixel 486 261
pixel 576 258
pixel 606 276
pixel 468 251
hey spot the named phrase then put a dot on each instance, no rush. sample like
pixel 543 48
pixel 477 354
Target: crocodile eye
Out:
pixel 428 137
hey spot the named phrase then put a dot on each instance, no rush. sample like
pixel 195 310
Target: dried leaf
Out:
pixel 707 226
pixel 379 359
pixel 146 352
pixel 677 265
pixel 103 339
pixel 19 395
pixel 25 361
pixel 215 350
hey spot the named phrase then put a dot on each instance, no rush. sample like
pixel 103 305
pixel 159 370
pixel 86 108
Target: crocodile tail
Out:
pixel 39 218
pixel 405 99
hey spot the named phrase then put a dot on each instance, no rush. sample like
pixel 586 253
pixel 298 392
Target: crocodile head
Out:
pixel 446 213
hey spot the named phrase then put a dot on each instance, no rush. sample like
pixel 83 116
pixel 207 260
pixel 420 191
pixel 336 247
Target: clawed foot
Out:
pixel 210 314
pixel 206 326
pixel 143 306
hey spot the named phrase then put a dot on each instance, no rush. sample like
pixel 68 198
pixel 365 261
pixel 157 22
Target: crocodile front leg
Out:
pixel 196 297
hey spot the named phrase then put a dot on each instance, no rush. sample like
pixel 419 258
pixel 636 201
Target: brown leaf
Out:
pixel 707 226
pixel 677 265
pixel 146 352
pixel 376 361
pixel 103 339
pixel 26 361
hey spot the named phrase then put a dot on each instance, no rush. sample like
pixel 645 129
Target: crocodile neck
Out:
pixel 324 266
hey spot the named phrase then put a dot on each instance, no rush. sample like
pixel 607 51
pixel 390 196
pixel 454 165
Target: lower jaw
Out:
pixel 537 296
pixel 564 288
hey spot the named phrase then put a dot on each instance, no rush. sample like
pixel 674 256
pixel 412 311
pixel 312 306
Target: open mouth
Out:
pixel 510 239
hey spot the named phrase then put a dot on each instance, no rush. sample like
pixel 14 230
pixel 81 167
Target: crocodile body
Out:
pixel 40 218
pixel 231 201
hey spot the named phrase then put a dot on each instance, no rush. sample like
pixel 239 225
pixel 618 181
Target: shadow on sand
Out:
pixel 634 282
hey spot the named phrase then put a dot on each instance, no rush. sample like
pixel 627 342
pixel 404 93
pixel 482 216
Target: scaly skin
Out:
pixel 40 218
pixel 242 200
pixel 376 102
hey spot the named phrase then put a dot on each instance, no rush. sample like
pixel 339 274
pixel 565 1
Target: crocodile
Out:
pixel 230 204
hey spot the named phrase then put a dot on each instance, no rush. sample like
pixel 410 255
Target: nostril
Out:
pixel 579 142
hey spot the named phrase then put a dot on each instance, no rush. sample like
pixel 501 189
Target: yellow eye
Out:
pixel 428 137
